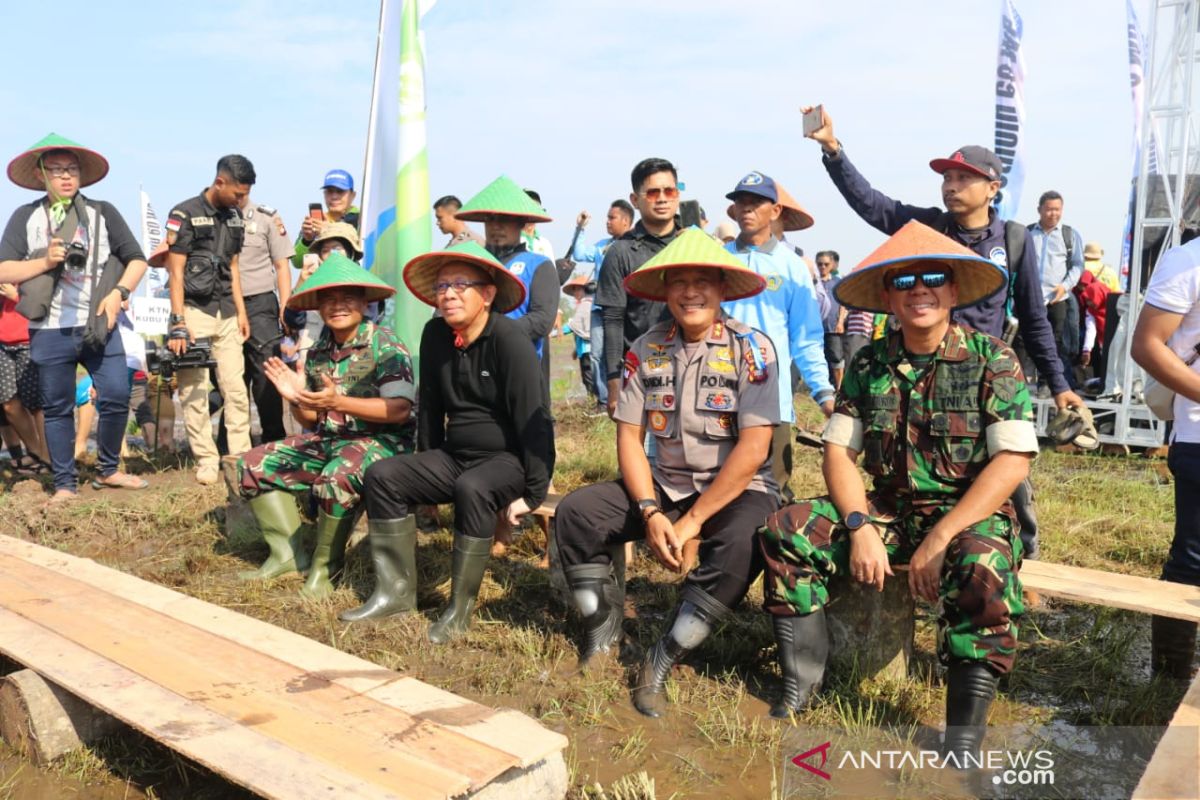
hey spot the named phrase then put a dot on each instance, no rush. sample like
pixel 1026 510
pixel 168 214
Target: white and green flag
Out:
pixel 396 222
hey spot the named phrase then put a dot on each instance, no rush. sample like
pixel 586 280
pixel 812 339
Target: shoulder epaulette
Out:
pixel 267 210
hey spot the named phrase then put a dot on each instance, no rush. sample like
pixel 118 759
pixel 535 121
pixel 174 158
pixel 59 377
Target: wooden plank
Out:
pixel 295 707
pixel 508 730
pixel 1109 589
pixel 241 755
pixel 1174 769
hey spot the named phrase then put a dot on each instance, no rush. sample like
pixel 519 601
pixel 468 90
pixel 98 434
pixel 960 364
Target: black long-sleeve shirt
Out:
pixel 1029 306
pixel 486 399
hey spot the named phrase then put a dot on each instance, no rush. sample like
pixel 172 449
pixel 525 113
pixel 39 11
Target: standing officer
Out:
pixel 942 416
pixel 204 236
pixel 706 387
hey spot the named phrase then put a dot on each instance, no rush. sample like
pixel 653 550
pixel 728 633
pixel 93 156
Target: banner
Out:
pixel 396 217
pixel 154 284
pixel 1010 111
pixel 1137 79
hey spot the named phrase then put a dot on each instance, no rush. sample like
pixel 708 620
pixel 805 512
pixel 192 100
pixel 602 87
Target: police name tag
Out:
pixel 202 221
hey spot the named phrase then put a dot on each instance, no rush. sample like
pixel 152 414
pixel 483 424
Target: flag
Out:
pixel 1137 79
pixel 396 221
pixel 152 236
pixel 1010 111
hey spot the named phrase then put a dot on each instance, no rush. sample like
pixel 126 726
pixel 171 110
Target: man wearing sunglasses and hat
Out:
pixel 704 385
pixel 942 416
pixel 486 441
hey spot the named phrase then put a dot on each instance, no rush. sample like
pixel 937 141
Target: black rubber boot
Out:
pixel 282 528
pixel 466 576
pixel 697 615
pixel 1172 646
pixel 394 557
pixel 970 689
pixel 329 554
pixel 803 644
pixel 601 603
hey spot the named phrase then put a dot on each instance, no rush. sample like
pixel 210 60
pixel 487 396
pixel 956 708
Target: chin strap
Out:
pixel 58 205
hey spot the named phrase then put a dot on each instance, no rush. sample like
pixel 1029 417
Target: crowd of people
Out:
pixel 924 360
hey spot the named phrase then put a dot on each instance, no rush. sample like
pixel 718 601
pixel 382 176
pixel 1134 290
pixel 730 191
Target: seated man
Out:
pixel 943 416
pixel 357 393
pixel 485 437
pixel 705 385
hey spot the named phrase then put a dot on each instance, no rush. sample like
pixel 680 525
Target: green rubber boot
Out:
pixel 466 576
pixel 394 557
pixel 329 556
pixel 282 529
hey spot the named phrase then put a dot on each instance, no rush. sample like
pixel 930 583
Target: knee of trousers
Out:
pixel 339 483
pixel 577 544
pixel 382 491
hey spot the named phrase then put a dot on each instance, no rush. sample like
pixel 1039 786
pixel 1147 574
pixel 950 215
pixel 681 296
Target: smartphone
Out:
pixel 813 120
pixel 689 213
pixel 316 211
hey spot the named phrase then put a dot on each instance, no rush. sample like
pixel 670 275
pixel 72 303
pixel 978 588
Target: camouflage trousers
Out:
pixel 805 544
pixel 331 468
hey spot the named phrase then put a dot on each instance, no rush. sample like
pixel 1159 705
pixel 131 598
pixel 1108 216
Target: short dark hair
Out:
pixel 832 254
pixel 58 151
pixel 624 207
pixel 1049 195
pixel 537 198
pixel 649 166
pixel 448 200
pixel 237 168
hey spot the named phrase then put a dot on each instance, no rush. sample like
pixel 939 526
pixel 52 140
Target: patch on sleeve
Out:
pixel 1005 388
pixel 174 223
pixel 631 367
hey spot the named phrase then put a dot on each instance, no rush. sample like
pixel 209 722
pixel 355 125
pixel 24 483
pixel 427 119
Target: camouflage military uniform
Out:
pixel 927 428
pixel 331 461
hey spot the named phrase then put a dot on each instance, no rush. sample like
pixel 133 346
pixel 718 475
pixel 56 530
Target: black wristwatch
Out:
pixel 176 319
pixel 855 520
pixel 121 290
pixel 645 506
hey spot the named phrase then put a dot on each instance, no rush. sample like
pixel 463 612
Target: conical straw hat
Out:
pixel 338 271
pixel 23 170
pixel 693 248
pixel 421 273
pixel 502 198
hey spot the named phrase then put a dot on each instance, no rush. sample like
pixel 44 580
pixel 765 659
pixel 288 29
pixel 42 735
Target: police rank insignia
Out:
pixel 721 366
pixel 658 421
pixel 658 349
pixel 658 363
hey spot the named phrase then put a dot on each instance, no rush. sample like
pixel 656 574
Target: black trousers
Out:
pixel 1183 561
pixel 591 519
pixel 478 487
pixel 262 311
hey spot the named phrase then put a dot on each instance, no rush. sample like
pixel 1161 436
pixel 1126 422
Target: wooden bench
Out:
pixel 275 712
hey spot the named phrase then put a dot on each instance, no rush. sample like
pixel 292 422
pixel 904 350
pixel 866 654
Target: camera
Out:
pixel 161 360
pixel 76 257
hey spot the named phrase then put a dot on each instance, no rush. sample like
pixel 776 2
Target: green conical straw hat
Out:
pixel 23 170
pixel 337 271
pixel 421 273
pixel 693 248
pixel 502 198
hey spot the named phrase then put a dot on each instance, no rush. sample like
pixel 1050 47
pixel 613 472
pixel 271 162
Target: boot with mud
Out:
pixel 970 689
pixel 601 603
pixel 695 619
pixel 1172 647
pixel 282 529
pixel 466 576
pixel 394 557
pixel 329 554
pixel 803 644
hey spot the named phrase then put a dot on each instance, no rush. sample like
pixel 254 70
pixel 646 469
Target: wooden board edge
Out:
pixel 1177 750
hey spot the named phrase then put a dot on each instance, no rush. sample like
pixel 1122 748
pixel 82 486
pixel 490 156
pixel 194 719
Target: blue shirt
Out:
pixel 786 311
pixel 1051 251
pixel 593 253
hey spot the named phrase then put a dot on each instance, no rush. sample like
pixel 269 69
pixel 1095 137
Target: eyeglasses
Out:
pixel 458 286
pixel 668 192
pixel 932 280
pixel 62 172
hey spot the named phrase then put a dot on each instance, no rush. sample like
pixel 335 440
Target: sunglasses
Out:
pixel 668 192
pixel 931 280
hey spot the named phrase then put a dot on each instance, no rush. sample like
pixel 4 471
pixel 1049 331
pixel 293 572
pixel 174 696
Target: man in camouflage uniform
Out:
pixel 944 420
pixel 357 393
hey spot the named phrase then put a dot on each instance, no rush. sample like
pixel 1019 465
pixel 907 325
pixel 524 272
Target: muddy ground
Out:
pixel 1077 666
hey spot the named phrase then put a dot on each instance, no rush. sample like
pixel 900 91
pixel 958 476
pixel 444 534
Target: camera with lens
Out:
pixel 161 360
pixel 76 257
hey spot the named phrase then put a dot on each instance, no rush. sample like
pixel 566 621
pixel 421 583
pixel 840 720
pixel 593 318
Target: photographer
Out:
pixel 74 261
pixel 204 236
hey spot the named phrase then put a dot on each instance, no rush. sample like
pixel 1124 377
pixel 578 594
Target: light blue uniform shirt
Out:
pixel 786 311
pixel 591 252
pixel 1051 251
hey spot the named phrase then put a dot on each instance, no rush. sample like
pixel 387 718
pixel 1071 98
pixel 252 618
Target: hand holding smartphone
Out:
pixel 814 120
pixel 316 211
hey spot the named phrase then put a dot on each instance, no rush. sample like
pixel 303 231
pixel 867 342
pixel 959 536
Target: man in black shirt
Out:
pixel 656 195
pixel 485 436
pixel 204 237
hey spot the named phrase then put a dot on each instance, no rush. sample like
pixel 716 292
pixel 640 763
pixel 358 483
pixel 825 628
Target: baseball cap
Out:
pixel 756 183
pixel 338 179
pixel 972 158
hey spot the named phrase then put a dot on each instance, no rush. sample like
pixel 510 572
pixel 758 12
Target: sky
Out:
pixel 566 97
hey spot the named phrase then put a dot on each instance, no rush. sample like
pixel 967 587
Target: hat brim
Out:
pixel 307 300
pixel 421 273
pixel 314 248
pixel 484 215
pixel 795 219
pixel 23 170
pixel 650 284
pixel 977 279
pixel 940 165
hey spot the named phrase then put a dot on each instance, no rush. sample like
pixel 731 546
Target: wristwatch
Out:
pixel 647 506
pixel 855 520
pixel 121 290
pixel 176 319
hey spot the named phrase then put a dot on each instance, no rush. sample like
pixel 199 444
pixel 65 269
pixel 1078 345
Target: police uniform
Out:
pixel 210 239
pixel 265 245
